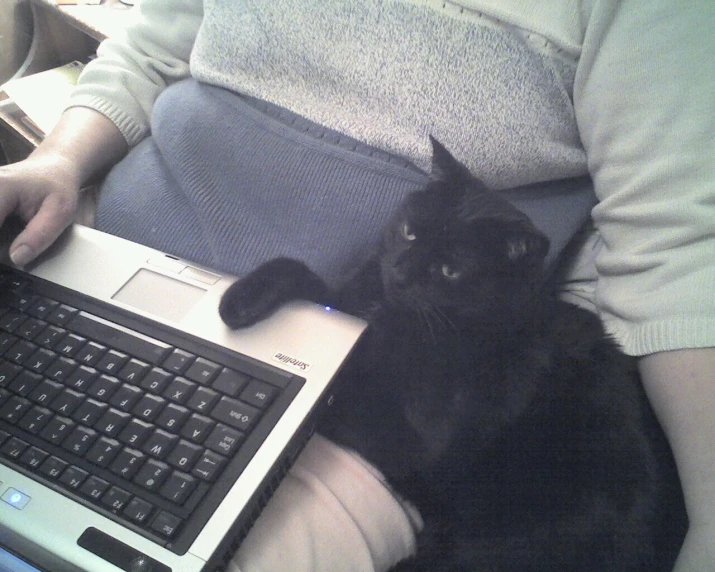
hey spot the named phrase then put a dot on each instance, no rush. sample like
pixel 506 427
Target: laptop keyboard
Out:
pixel 150 429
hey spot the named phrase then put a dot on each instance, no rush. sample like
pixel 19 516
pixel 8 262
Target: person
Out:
pixel 272 125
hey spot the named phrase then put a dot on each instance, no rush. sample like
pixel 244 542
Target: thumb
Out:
pixel 55 214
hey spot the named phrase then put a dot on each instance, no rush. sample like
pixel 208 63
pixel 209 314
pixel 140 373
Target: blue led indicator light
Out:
pixel 15 498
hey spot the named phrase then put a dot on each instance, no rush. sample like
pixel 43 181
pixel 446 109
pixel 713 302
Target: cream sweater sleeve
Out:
pixel 645 104
pixel 131 70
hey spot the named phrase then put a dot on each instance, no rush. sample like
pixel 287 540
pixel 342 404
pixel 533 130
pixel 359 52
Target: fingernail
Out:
pixel 21 255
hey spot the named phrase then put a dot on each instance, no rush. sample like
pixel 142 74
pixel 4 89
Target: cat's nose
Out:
pixel 400 273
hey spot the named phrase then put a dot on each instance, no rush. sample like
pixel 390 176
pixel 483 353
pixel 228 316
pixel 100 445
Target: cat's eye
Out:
pixel 407 232
pixel 450 273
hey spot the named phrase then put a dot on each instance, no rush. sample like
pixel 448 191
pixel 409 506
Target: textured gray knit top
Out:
pixel 521 91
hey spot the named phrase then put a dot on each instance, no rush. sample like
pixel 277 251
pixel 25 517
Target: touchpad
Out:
pixel 160 295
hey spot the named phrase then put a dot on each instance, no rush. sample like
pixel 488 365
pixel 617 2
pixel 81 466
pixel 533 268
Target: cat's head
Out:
pixel 456 246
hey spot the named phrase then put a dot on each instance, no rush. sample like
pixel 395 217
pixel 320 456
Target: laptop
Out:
pixel 137 431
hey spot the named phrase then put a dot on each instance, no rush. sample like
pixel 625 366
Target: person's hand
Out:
pixel 43 190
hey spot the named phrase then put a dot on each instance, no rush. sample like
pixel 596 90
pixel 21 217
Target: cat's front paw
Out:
pixel 257 295
pixel 246 302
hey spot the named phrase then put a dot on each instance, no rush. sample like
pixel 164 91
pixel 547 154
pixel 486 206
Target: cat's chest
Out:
pixel 400 347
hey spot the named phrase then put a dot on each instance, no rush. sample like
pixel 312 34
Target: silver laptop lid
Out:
pixel 302 339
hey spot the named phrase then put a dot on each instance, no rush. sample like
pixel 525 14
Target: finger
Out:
pixel 54 215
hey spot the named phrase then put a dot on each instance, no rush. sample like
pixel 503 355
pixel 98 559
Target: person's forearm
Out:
pixel 681 387
pixel 87 140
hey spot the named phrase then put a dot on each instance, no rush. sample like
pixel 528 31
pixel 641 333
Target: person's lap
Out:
pixel 234 184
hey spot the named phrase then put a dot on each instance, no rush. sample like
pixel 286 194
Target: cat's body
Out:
pixel 509 418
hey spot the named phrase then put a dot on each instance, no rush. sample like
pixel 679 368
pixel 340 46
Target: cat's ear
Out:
pixel 445 167
pixel 530 246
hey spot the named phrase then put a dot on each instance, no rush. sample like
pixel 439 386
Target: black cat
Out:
pixel 508 417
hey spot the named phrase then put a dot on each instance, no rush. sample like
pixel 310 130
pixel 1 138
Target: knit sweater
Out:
pixel 521 91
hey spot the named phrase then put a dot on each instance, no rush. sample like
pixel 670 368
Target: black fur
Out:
pixel 509 418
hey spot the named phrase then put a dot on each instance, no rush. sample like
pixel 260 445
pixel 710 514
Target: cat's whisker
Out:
pixel 426 317
pixel 444 319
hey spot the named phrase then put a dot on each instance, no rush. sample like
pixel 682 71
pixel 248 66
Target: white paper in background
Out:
pixel 45 95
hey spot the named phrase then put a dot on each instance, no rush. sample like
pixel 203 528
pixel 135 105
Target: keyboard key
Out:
pixel 35 419
pixel 135 433
pixel 73 477
pixel 159 444
pixel 235 413
pixel 8 372
pixel 25 382
pixel 259 393
pixel 112 362
pixel 152 474
pixel 112 422
pixel 40 360
pixel 67 402
pixel 42 308
pixel 81 378
pixel 184 455
pixel 224 440
pixel 172 417
pixel 179 390
pixel 21 300
pixel 80 440
pixel 45 392
pixel 103 451
pixel 90 412
pixel 133 371
pixel 61 315
pixel 58 429
pixel 156 380
pixel 61 369
pixel 14 408
pixel 33 457
pixel 197 428
pixel 116 498
pixel 10 321
pixel 203 400
pixel 138 510
pixel 148 407
pixel 202 371
pixel 230 382
pixel 90 353
pixel 126 397
pixel 94 488
pixel 6 341
pixel 48 337
pixel 53 467
pixel 14 447
pixel 30 328
pixel 178 361
pixel 178 487
pixel 209 466
pixel 126 340
pixel 166 524
pixel 70 345
pixel 127 463
pixel 103 387
pixel 20 351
